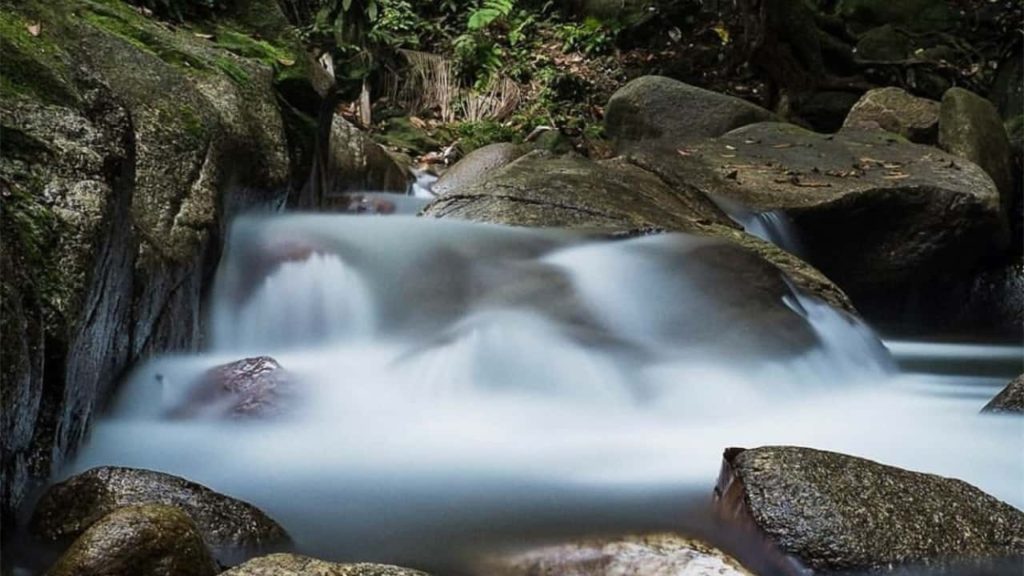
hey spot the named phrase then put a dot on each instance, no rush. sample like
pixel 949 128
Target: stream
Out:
pixel 465 386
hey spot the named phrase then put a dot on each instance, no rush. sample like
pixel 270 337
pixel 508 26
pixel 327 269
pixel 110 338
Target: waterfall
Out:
pixel 463 381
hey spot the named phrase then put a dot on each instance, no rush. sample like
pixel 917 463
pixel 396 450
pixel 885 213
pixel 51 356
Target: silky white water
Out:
pixel 463 384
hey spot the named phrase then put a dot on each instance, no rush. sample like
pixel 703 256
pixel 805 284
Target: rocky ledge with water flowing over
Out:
pixel 389 287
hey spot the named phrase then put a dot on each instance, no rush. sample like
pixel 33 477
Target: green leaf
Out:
pixel 345 5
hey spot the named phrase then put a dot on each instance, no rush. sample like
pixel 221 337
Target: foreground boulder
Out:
pixel 152 540
pixel 227 525
pixel 970 127
pixel 1010 400
pixel 896 110
pixel 874 212
pixel 834 512
pixel 250 388
pixel 655 107
pixel 647 555
pixel 295 565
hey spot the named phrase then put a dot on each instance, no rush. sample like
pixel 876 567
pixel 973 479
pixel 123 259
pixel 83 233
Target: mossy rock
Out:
pixel 916 15
pixel 401 134
pixel 883 43
pixel 151 540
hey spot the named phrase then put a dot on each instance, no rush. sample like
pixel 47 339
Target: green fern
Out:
pixel 489 12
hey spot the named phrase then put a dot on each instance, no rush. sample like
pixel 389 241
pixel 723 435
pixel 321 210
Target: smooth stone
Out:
pixel 295 565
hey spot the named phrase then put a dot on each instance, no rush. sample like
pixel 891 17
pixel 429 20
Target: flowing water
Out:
pixel 463 386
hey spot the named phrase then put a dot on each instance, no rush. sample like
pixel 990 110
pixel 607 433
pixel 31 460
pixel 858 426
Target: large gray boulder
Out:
pixel 896 110
pixel 874 212
pixel 126 146
pixel 228 526
pixel 640 555
pixel 358 164
pixel 615 197
pixel 667 110
pixel 970 127
pixel 152 540
pixel 295 565
pixel 1010 400
pixel 476 166
pixel 834 512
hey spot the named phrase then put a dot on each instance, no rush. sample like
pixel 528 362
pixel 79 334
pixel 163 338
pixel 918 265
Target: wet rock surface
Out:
pixel 1010 400
pixel 227 525
pixel 835 512
pixel 256 387
pixel 358 164
pixel 476 166
pixel 295 565
pixel 152 540
pixel 642 555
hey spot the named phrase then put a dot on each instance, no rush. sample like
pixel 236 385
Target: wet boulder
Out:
pixel 896 110
pixel 618 197
pixel 832 512
pixel 477 165
pixel 970 127
pixel 874 212
pixel 642 555
pixel 358 164
pixel 295 565
pixel 228 526
pixel 255 387
pixel 151 540
pixel 1010 400
pixel 659 108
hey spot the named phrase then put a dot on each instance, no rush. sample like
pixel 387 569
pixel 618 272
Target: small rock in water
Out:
pixel 646 555
pixel 295 565
pixel 227 525
pixel 252 387
pixel 834 512
pixel 1010 400
pixel 152 540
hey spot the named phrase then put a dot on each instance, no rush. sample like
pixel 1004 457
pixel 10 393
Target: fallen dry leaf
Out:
pixel 35 29
pixel 285 61
pixel 780 146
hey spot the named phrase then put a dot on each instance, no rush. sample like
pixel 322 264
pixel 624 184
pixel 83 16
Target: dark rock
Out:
pixel 821 110
pixel 295 565
pixel 619 196
pixel 970 127
pixel 477 165
pixel 228 526
pixel 1010 400
pixel 151 540
pixel 885 43
pixel 253 387
pixel 916 15
pixel 645 555
pixel 897 111
pixel 659 108
pixel 358 164
pixel 873 211
pixel 1008 88
pixel 840 513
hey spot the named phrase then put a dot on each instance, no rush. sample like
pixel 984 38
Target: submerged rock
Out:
pixel 477 165
pixel 227 525
pixel 896 110
pixel 623 196
pixel 151 540
pixel 646 555
pixel 252 387
pixel 1010 400
pixel 835 512
pixel 873 211
pixel 970 127
pixel 655 107
pixel 295 565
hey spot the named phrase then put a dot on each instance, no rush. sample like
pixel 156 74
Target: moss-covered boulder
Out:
pixel 895 110
pixel 639 555
pixel 873 211
pixel 127 143
pixel 662 109
pixel 834 512
pixel 229 527
pixel 1010 400
pixel 151 540
pixel 476 166
pixel 970 127
pixel 295 565
pixel 622 196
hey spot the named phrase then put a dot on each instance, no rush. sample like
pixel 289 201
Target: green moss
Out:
pixel 473 135
pixel 32 65
pixel 140 33
pixel 237 74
